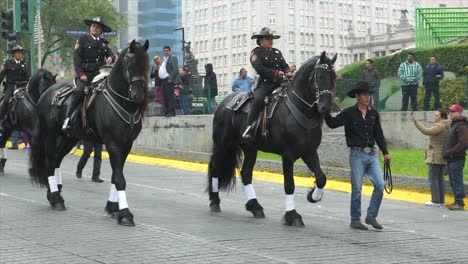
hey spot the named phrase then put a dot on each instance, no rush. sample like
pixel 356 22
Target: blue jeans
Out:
pixel 15 136
pixel 361 164
pixel 455 169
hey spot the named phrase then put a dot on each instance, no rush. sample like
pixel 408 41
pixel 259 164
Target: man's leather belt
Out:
pixel 367 150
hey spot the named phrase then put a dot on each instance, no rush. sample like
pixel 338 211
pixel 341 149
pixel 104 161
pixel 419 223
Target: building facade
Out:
pixel 153 20
pixel 220 30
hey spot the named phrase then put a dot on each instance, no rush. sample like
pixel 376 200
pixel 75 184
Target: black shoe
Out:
pixel 79 174
pixel 13 147
pixel 96 179
pixel 358 226
pixel 373 222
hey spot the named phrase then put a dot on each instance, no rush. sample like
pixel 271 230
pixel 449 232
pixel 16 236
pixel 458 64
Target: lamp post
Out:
pixel 183 43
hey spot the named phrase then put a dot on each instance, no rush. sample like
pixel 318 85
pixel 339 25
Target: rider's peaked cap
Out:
pixel 361 86
pixel 100 21
pixel 17 47
pixel 265 32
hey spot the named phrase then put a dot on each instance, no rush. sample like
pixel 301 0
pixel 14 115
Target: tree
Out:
pixel 58 16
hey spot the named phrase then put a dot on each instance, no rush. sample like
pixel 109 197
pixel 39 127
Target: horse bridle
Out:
pixel 130 80
pixel 318 93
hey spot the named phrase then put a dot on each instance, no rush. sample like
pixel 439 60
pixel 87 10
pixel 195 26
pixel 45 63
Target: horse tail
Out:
pixel 38 156
pixel 226 153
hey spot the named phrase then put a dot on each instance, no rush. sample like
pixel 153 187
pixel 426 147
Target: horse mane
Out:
pixel 35 80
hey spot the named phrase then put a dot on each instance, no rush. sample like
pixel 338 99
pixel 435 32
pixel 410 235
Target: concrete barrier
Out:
pixel 188 137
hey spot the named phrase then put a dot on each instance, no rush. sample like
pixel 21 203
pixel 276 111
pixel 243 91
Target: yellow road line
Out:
pixel 397 194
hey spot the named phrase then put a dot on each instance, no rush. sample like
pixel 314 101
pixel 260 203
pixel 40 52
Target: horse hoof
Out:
pixel 255 208
pixel 56 201
pixel 126 222
pixel 309 196
pixel 292 218
pixel 215 208
pixel 258 214
pixel 125 218
pixel 59 207
pixel 112 208
pixel 114 215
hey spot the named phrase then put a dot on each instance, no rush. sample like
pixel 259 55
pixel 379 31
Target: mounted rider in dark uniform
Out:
pixel 15 70
pixel 91 52
pixel 271 66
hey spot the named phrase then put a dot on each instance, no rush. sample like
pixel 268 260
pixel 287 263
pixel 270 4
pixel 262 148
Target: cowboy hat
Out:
pixel 17 47
pixel 265 32
pixel 100 21
pixel 361 86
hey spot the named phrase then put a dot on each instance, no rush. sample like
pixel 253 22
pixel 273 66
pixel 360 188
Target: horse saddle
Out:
pixel 243 100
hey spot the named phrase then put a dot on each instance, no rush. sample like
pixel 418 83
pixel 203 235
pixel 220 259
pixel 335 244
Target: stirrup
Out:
pixel 247 132
pixel 65 125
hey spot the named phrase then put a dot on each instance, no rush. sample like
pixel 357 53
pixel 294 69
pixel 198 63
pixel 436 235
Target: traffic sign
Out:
pixel 80 32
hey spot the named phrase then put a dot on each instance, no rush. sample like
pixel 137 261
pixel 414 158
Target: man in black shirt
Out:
pixel 363 130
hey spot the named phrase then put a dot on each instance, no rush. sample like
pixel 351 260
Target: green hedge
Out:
pixel 453 58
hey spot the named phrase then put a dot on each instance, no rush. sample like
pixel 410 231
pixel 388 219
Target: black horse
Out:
pixel 22 115
pixel 115 119
pixel 294 132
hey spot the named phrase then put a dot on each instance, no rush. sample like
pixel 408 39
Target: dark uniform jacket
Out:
pixel 90 55
pixel 14 72
pixel 267 63
pixel 359 132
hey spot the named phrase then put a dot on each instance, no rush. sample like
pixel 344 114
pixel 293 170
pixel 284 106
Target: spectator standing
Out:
pixel 242 83
pixel 410 72
pixel 185 90
pixel 372 77
pixel 362 131
pixel 211 87
pixel 455 147
pixel 434 155
pixel 158 95
pixel 432 75
pixel 15 139
pixel 169 75
pixel 89 146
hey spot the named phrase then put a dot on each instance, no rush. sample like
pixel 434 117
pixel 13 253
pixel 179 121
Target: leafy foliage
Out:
pixel 57 16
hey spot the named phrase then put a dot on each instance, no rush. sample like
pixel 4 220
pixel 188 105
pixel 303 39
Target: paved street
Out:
pixel 174 225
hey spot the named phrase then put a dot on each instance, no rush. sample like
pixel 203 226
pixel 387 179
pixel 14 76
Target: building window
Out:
pixel 271 3
pixel 271 19
pixel 291 56
pixel 291 3
pixel 291 20
pixel 291 37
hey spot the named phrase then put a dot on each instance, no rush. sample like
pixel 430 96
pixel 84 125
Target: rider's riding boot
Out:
pixel 75 101
pixel 96 178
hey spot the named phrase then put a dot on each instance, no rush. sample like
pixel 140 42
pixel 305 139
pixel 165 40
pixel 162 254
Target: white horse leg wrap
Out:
pixel 289 202
pixel 3 153
pixel 113 195
pixel 317 194
pixel 58 175
pixel 53 184
pixel 250 192
pixel 122 200
pixel 214 185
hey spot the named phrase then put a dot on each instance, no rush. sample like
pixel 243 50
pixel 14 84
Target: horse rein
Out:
pixel 388 177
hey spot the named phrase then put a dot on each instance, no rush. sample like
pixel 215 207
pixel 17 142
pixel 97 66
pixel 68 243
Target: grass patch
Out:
pixel 404 162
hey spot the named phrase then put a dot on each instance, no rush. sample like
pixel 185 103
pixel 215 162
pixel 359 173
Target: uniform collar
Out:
pixel 16 61
pixel 93 37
